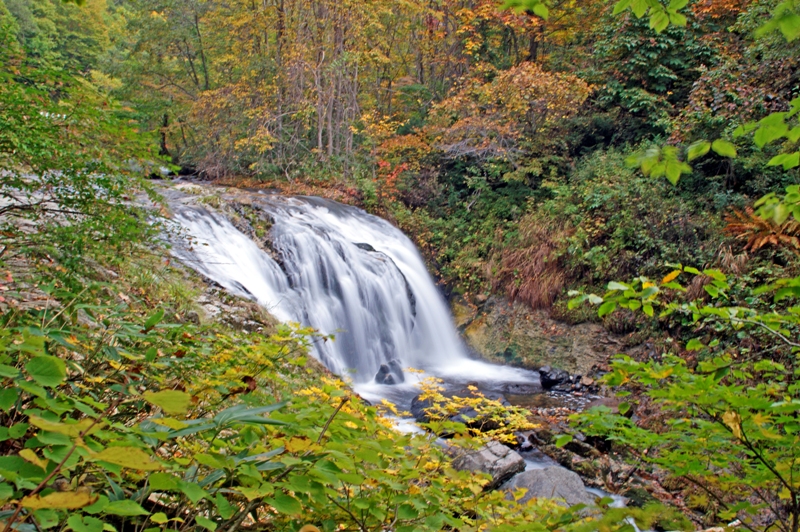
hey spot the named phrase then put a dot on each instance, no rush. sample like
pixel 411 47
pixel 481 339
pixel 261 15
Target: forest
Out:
pixel 631 165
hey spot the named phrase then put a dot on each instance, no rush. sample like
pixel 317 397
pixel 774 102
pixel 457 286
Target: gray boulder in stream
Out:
pixel 551 483
pixel 391 373
pixel 495 459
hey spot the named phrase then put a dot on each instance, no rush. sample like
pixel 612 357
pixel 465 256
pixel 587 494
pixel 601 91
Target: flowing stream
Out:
pixel 345 273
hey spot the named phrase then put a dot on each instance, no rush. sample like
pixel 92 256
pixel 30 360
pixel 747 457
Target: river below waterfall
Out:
pixel 345 273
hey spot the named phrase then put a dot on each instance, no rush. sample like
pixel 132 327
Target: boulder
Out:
pixel 552 377
pixel 391 373
pixel 397 370
pixel 495 459
pixel 365 247
pixel 582 449
pixel 551 483
pixel 383 373
pixel 418 407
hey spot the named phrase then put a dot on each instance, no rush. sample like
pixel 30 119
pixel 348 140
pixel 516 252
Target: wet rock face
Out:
pixel 551 483
pixel 495 459
pixel 506 333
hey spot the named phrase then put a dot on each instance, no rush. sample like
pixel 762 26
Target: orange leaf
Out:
pixel 671 277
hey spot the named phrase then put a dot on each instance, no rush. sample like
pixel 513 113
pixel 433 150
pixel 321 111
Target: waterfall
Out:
pixel 343 272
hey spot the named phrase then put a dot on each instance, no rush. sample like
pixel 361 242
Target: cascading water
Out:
pixel 343 272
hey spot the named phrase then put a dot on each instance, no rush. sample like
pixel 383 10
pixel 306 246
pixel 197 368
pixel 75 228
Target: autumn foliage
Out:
pixel 758 232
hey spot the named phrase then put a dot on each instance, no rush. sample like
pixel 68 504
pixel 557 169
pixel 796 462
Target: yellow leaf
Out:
pixel 129 457
pixel 734 421
pixel 68 500
pixel 169 422
pixel 252 494
pixel 173 402
pixel 73 430
pixel 769 434
pixel 671 277
pixel 296 445
pixel 761 419
pixel 31 457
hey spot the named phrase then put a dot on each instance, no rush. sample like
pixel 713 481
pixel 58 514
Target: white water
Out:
pixel 343 272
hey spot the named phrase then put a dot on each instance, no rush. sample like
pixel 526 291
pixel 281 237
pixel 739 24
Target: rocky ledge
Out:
pixel 511 333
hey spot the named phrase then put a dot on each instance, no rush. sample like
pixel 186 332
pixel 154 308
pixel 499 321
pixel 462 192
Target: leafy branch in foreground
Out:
pixel 732 433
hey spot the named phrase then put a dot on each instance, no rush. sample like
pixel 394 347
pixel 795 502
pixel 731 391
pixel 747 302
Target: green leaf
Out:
pixel 621 6
pixel 787 160
pixel 8 398
pixel 639 7
pixel 624 408
pixel 18 430
pixel 648 309
pixel 8 371
pixel 125 508
pixel 285 504
pixel 159 518
pixel 790 26
pixel 694 345
pixel 173 402
pixel 205 522
pixel 673 170
pixel 541 10
pixel 721 373
pixel 153 320
pixel 224 507
pixel 606 308
pixel 678 19
pixel 163 482
pixel 563 439
pixel 6 492
pixel 47 370
pixel 614 285
pixel 33 343
pixel 406 511
pixel 723 148
pixel 659 21
pixel 53 438
pixel 85 524
pixel 193 492
pixel 698 149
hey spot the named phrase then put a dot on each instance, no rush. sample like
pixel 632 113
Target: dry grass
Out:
pixel 696 288
pixel 735 263
pixel 531 272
